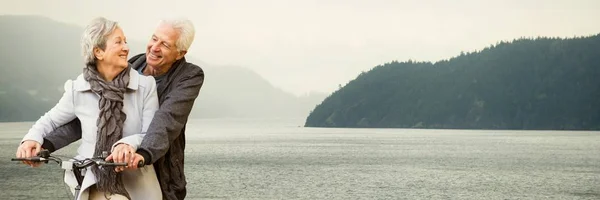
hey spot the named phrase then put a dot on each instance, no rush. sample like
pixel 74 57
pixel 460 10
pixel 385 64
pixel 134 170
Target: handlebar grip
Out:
pixel 112 164
pixel 104 163
pixel 34 159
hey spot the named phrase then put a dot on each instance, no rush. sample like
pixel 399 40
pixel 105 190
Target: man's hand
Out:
pixel 123 153
pixel 28 149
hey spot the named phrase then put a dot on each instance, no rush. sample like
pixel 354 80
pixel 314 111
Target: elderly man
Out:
pixel 178 84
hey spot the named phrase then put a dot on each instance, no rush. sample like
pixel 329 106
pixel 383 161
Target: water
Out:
pixel 276 159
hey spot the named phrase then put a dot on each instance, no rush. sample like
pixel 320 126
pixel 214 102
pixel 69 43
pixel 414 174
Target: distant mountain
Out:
pixel 238 92
pixel 39 54
pixel 543 83
pixel 32 49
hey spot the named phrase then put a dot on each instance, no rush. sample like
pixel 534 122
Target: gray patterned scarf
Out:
pixel 110 124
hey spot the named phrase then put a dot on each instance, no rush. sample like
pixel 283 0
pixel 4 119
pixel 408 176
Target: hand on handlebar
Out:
pixel 136 158
pixel 123 153
pixel 28 149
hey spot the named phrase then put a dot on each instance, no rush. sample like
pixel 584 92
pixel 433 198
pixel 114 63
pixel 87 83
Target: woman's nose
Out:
pixel 126 47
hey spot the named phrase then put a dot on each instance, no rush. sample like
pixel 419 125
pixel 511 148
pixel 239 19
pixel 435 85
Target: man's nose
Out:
pixel 155 46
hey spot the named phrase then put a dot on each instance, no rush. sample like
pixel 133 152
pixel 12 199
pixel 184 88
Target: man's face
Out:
pixel 161 51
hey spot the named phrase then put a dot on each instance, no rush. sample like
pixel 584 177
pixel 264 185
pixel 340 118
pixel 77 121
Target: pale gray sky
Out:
pixel 314 45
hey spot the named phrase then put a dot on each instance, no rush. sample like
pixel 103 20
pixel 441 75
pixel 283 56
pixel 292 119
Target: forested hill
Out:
pixel 543 83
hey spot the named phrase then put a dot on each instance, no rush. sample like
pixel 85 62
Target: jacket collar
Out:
pixel 139 61
pixel 82 85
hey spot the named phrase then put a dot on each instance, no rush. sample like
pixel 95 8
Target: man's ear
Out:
pixel 181 54
pixel 99 53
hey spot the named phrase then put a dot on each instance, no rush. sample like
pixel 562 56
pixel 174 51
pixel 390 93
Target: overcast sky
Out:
pixel 314 45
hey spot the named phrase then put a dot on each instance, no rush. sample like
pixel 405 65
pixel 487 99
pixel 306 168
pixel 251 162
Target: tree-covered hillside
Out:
pixel 543 83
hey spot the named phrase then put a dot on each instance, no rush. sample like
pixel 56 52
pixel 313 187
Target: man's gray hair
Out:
pixel 186 32
pixel 95 36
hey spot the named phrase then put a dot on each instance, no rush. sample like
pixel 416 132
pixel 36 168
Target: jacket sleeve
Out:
pixel 59 115
pixel 172 116
pixel 150 105
pixel 63 136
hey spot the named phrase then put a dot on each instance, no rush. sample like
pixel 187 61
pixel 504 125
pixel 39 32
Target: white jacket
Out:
pixel 139 104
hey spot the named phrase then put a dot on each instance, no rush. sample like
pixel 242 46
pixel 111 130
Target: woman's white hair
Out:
pixel 95 35
pixel 186 32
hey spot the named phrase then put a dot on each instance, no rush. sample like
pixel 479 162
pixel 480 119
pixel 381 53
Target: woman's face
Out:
pixel 116 50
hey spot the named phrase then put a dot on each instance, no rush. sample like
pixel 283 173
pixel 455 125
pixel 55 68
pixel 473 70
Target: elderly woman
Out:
pixel 115 105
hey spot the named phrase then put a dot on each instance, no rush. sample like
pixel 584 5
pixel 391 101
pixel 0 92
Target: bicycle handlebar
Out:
pixel 44 156
pixel 75 165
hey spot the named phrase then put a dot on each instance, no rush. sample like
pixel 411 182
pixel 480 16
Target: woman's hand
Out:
pixel 122 153
pixel 137 158
pixel 28 149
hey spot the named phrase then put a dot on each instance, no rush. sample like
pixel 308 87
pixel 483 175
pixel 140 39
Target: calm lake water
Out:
pixel 277 159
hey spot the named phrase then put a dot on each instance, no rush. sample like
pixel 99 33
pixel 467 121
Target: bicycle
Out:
pixel 75 165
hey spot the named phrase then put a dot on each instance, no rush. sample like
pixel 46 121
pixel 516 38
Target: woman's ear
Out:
pixel 98 53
